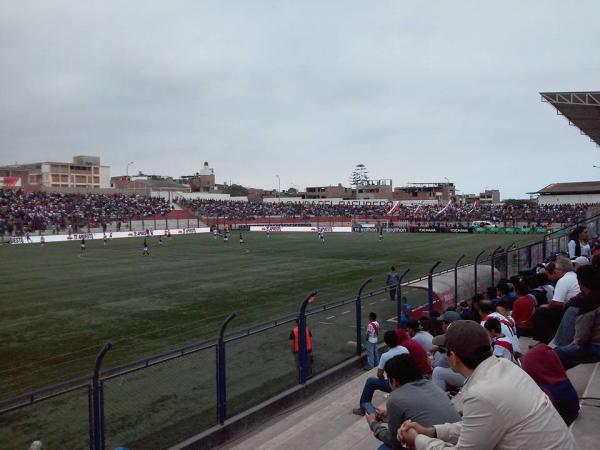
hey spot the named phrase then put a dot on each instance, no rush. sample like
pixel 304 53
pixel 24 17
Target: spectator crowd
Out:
pixel 460 379
pixel 464 214
pixel 22 212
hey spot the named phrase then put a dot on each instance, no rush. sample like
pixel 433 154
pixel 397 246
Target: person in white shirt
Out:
pixel 579 244
pixel 548 316
pixel 416 332
pixel 379 383
pixel 372 340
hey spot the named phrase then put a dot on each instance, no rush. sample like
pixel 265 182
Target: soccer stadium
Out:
pixel 156 311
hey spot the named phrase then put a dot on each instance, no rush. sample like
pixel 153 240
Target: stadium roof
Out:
pixel 584 187
pixel 582 109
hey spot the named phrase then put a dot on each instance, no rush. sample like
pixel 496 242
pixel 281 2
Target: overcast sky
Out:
pixel 417 91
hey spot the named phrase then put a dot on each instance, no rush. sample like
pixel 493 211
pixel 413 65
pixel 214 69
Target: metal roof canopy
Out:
pixel 582 109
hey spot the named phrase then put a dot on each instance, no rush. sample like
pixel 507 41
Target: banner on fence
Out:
pixel 511 230
pixel 114 235
pixel 283 229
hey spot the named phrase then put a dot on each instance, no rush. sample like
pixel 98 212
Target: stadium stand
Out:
pixel 412 213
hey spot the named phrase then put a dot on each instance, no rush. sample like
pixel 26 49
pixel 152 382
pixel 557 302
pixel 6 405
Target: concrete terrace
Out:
pixel 327 422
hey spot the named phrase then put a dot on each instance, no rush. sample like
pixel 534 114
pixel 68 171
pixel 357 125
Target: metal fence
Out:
pixel 164 399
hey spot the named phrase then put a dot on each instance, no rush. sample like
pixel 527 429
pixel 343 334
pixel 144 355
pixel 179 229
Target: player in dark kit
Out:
pixel 82 244
pixel 146 252
pixel 381 234
pixel 241 239
pixel 226 237
pixel 160 241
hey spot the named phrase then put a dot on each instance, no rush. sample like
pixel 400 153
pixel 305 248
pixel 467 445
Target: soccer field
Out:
pixel 58 304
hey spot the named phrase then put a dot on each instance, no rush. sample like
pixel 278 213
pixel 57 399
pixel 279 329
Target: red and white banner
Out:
pixel 284 229
pixel 10 182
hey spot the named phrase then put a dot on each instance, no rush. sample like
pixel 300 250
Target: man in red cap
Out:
pixel 502 407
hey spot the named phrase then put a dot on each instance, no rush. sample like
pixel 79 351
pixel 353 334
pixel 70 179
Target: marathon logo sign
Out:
pixel 395 230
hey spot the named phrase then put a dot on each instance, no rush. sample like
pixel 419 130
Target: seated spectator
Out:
pixel 412 397
pixel 578 243
pixel 508 325
pixel 380 383
pixel 417 333
pixel 503 293
pixel 442 375
pixel 415 350
pixel 585 347
pixel 523 311
pixel 543 365
pixel 502 407
pixel 431 323
pixel 491 293
pixel 548 317
pixel 502 345
pixel 536 290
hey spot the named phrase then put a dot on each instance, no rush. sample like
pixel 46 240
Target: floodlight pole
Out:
pixel 456 279
pixel 303 356
pixel 222 371
pixel 359 317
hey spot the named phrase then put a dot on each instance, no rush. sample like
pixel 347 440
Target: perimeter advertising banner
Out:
pixel 114 235
pixel 511 230
pixel 284 229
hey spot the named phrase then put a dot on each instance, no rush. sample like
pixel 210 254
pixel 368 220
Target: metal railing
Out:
pixel 169 397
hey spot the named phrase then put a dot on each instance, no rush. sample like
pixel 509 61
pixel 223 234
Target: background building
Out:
pixel 83 172
pixel 425 193
pixel 489 196
pixel 338 191
pixel 569 193
pixel 375 189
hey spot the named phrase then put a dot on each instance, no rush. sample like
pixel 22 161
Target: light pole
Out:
pixel 127 169
pixel 278 187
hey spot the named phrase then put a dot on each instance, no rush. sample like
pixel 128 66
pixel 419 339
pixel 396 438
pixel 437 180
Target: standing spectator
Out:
pixel 372 340
pixel 415 350
pixel 548 316
pixel 418 334
pixel 523 310
pixel 295 338
pixel 412 397
pixel 503 291
pixel 578 243
pixel 392 280
pixel 585 347
pixel 442 375
pixel 502 407
pixel 543 365
pixel 379 382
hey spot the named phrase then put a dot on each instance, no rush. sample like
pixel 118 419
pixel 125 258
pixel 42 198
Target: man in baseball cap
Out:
pixel 495 388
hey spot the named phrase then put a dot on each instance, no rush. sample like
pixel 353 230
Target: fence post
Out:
pixel 456 279
pixel 359 317
pixel 303 354
pixel 221 372
pixel 544 248
pixel 475 270
pixel 511 246
pixel 430 286
pixel 498 250
pixel 529 256
pixel 399 298
pixel 97 406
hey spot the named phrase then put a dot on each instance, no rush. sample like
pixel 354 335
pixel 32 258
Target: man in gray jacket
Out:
pixel 412 397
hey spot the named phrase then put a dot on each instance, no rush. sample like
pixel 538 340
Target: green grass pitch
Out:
pixel 58 304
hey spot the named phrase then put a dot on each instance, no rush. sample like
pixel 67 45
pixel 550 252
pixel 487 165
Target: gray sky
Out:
pixel 417 91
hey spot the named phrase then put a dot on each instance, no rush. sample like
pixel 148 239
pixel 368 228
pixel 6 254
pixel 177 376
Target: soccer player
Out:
pixel 380 234
pixel 105 239
pixel 268 233
pixel 110 234
pixel 42 240
pixel 168 234
pixel 146 252
pixel 241 239
pixel 215 232
pixel 82 244
pixel 226 237
pixel 160 241
pixel 322 236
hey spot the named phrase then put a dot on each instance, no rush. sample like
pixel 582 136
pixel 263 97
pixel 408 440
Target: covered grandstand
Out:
pixel 582 110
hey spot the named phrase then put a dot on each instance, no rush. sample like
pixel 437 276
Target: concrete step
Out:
pixel 324 423
pixel 585 428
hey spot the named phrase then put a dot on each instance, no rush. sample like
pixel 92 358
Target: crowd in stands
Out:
pixel 509 214
pixel 22 212
pixel 502 395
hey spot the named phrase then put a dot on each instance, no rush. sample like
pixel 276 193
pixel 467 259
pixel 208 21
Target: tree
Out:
pixel 292 191
pixel 359 175
pixel 235 190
